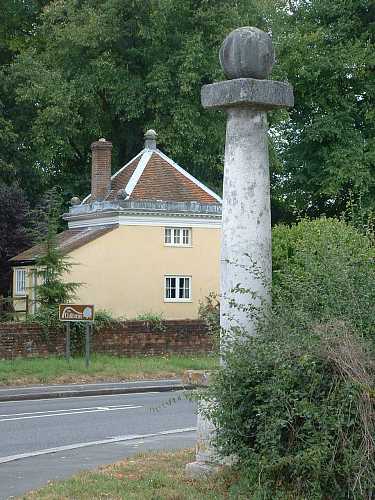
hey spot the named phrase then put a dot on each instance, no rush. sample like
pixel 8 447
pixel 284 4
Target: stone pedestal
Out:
pixel 207 462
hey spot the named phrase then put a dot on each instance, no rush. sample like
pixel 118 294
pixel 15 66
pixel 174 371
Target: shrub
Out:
pixel 154 321
pixel 296 403
pixel 105 319
pixel 325 269
pixel 209 312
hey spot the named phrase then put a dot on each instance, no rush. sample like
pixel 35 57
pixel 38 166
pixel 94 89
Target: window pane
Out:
pixel 186 236
pixel 181 288
pixel 187 288
pixel 20 281
pixel 170 288
pixel 176 233
pixel 168 235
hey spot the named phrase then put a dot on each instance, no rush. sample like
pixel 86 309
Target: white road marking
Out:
pixel 64 409
pixel 64 413
pixel 118 439
pixel 81 397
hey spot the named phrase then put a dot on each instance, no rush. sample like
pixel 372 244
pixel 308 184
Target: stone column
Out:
pixel 246 222
pixel 247 57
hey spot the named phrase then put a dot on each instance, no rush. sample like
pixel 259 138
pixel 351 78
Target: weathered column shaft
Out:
pixel 247 57
pixel 246 223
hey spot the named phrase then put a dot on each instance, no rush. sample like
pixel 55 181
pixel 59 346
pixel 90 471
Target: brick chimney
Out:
pixel 101 169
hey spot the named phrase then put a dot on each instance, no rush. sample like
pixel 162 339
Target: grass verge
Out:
pixel 57 370
pixel 156 476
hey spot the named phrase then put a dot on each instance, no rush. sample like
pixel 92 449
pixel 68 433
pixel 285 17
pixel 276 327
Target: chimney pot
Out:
pixel 101 169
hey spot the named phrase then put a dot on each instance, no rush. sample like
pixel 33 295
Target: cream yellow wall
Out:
pixel 123 271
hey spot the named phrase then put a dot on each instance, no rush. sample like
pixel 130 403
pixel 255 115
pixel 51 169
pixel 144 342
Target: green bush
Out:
pixel 209 312
pixel 325 267
pixel 296 403
pixel 155 321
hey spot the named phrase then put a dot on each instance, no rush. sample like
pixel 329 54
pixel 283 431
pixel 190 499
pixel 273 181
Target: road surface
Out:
pixel 51 439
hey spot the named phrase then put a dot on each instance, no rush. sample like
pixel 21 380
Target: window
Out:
pixel 20 282
pixel 177 236
pixel 177 289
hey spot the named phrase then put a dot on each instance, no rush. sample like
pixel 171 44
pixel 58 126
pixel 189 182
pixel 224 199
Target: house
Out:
pixel 146 239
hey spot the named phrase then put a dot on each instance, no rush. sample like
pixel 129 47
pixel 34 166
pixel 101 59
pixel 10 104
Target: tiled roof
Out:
pixel 67 242
pixel 151 175
pixel 162 181
pixel 121 179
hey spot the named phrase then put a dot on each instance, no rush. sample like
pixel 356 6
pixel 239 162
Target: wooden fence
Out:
pixel 8 306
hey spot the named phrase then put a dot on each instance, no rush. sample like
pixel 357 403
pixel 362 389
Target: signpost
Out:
pixel 77 312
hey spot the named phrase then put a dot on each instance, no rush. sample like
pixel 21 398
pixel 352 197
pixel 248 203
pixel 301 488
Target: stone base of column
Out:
pixel 207 462
pixel 201 470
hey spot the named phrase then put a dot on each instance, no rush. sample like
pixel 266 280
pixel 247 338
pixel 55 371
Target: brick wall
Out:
pixel 130 338
pixel 21 340
pixel 137 337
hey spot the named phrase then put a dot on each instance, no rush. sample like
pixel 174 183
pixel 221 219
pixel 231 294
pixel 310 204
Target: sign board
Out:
pixel 76 312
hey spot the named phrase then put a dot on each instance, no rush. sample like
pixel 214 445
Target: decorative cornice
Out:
pixel 144 219
pixel 90 211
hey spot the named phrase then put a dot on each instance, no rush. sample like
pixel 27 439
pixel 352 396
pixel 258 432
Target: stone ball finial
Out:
pixel 151 134
pixel 150 139
pixel 75 201
pixel 247 53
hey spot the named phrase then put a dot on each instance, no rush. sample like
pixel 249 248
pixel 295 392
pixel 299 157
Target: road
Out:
pixel 54 438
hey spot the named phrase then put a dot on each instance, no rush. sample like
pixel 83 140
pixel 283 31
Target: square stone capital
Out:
pixel 247 92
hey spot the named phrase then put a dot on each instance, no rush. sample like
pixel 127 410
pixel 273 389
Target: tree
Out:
pixel 18 158
pixel 14 229
pixel 52 265
pixel 75 71
pixel 113 69
pixel 327 147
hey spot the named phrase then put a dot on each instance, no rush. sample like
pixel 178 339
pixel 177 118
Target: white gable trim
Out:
pixel 118 171
pixel 147 153
pixel 127 164
pixel 188 176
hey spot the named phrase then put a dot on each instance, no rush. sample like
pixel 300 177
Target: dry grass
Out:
pixel 156 476
pixel 354 365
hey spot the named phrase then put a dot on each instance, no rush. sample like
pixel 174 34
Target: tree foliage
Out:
pixel 72 71
pixel 115 68
pixel 52 266
pixel 326 50
pixel 14 229
pixel 18 158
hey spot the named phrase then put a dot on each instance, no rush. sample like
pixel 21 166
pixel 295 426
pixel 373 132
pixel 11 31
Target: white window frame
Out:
pixel 20 281
pixel 175 236
pixel 177 286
